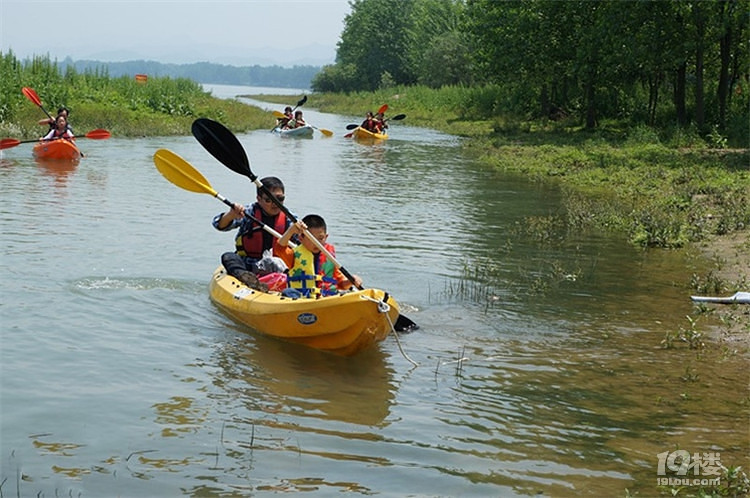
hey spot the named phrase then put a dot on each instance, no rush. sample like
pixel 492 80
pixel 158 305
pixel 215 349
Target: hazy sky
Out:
pixel 239 32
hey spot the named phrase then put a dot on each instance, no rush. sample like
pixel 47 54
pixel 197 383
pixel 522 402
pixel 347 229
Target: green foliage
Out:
pixel 657 64
pixel 375 41
pixel 336 78
pixel 661 187
pixel 733 483
pixel 439 50
pixel 690 336
pixel 160 106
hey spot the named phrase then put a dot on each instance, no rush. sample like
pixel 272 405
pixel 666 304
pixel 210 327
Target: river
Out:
pixel 540 367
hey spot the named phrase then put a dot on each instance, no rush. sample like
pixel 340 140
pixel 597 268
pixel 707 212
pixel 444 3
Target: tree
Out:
pixel 445 61
pixel 335 78
pixel 439 51
pixel 375 41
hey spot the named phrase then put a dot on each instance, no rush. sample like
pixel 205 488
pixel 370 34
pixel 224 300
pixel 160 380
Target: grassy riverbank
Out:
pixel 125 107
pixel 661 190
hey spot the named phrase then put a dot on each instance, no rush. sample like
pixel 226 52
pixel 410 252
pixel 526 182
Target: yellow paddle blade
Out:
pixel 325 132
pixel 279 114
pixel 181 173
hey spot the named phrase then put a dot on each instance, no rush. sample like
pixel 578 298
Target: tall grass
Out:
pixel 160 106
pixel 481 111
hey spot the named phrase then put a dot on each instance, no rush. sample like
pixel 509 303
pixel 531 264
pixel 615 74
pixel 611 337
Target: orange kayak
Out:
pixel 57 149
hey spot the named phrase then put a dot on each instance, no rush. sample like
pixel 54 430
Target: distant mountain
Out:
pixel 204 72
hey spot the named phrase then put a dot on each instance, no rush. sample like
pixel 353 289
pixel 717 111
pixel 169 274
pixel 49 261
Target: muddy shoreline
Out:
pixel 730 255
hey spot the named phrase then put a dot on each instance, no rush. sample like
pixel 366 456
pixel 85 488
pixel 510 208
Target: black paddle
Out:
pixel 300 103
pixel 227 149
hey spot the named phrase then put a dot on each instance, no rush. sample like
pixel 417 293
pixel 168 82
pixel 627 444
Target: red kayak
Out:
pixel 60 149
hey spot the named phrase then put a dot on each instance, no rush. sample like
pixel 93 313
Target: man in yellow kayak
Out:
pixel 257 252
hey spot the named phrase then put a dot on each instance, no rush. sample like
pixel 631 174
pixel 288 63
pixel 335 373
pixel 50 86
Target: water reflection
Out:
pixel 7 163
pixel 294 380
pixel 59 170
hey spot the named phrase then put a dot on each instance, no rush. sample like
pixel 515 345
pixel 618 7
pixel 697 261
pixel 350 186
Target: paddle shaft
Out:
pixel 318 244
pixel 98 134
pixel 7 143
pixel 300 103
pixel 182 174
pixel 256 220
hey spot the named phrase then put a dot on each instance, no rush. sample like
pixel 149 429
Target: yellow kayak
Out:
pixel 361 133
pixel 344 324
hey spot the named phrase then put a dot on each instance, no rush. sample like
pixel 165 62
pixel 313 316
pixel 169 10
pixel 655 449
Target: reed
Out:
pixel 160 106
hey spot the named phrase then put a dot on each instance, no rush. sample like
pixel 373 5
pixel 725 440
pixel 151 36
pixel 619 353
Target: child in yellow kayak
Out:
pixel 312 273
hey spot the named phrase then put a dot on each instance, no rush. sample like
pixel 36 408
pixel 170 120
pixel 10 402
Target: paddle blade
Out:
pixel 383 108
pixel 181 173
pixel 352 126
pixel 397 117
pixel 98 134
pixel 403 324
pixel 7 143
pixel 302 101
pixel 325 132
pixel 223 145
pixel 279 114
pixel 31 95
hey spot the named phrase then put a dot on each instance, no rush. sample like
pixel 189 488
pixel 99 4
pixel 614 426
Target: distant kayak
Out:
pixel 301 132
pixel 363 134
pixel 57 149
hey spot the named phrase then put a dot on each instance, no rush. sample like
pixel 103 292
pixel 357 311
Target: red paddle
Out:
pixel 381 110
pixel 98 134
pixel 397 117
pixel 32 96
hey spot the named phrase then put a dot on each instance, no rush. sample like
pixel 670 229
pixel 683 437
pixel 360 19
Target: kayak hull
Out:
pixel 344 324
pixel 61 150
pixel 362 134
pixel 301 132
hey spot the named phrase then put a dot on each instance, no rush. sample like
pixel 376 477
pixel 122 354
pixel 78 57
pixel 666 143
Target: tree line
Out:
pixel 204 72
pixel 654 62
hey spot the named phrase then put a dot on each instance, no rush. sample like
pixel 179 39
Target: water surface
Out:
pixel 540 369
